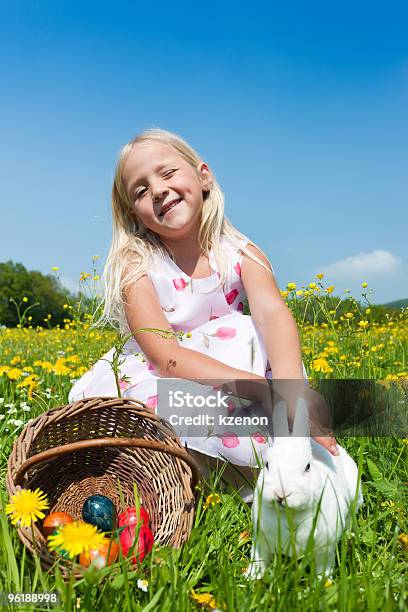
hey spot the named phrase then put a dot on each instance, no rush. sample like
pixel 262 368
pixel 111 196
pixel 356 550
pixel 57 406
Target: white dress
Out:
pixel 218 328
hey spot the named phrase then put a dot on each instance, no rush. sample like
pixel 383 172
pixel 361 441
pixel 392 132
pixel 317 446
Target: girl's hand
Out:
pixel 320 421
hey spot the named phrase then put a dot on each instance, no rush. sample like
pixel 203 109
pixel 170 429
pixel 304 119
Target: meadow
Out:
pixel 37 369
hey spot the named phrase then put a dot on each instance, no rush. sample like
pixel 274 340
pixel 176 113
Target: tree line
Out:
pixel 45 297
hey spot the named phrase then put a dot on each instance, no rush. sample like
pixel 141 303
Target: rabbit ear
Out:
pixel 301 427
pixel 280 419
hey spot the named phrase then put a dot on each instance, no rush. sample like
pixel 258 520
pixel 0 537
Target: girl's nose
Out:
pixel 158 192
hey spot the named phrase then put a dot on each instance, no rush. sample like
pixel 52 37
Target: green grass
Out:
pixel 369 574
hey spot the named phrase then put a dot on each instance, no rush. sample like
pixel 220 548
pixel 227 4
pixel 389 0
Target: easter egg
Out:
pixel 99 510
pixel 104 555
pixel 54 520
pixel 142 547
pixel 130 517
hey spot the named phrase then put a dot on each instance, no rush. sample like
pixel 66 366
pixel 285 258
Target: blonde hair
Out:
pixel 134 246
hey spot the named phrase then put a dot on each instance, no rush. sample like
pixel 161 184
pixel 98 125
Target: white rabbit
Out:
pixel 298 475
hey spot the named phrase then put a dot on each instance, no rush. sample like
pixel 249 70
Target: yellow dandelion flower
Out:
pixel 403 539
pixel 368 310
pixel 321 365
pixel 14 373
pixel 26 507
pixel 330 289
pixel 213 499
pixel 299 292
pixel 312 285
pixel 320 276
pixel 364 285
pixel 204 599
pixel 291 286
pixel 328 582
pixel 284 293
pixel 76 537
pixel 25 299
pixel 349 315
pixel 55 268
pixel 363 324
pixel 60 368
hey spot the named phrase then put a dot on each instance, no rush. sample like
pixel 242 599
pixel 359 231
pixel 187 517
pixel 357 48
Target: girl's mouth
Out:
pixel 168 208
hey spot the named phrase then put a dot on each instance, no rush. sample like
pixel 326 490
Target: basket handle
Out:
pixel 57 451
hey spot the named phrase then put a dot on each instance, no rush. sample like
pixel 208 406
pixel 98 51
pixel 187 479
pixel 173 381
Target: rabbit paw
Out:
pixel 255 570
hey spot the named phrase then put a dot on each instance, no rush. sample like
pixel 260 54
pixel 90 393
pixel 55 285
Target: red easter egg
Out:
pixel 129 517
pixel 54 520
pixel 144 545
pixel 104 555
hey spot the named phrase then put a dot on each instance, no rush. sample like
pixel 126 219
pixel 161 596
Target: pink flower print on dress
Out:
pixel 225 333
pixel 123 384
pixel 237 269
pixel 151 402
pixel 230 297
pixel 180 284
pixel 240 307
pixel 229 439
pixel 259 437
pixel 231 406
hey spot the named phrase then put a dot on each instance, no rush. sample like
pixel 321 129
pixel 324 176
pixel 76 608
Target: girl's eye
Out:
pixel 139 193
pixel 169 172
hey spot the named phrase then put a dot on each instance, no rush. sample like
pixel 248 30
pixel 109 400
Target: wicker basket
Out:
pixel 85 448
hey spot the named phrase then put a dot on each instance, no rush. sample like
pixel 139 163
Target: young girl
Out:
pixel 177 263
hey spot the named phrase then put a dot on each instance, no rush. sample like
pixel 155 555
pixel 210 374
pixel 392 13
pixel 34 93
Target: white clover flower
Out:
pixel 16 422
pixel 142 585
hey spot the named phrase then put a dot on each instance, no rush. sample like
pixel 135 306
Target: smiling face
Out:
pixel 164 190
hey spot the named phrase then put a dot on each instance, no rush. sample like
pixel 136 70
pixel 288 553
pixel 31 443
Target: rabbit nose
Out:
pixel 280 500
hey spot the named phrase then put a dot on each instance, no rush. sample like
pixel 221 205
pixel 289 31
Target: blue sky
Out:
pixel 299 110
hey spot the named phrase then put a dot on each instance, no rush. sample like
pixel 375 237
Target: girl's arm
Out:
pixel 272 317
pixel 169 358
pixel 281 338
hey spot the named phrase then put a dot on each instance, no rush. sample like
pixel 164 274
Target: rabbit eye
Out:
pixel 307 468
